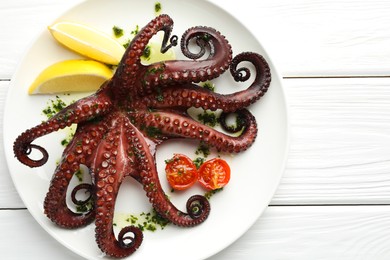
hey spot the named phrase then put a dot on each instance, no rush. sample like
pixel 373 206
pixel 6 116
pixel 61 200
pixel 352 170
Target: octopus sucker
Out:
pixel 120 127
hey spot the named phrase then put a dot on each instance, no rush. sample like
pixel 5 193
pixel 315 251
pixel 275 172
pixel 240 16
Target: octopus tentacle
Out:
pixel 175 125
pixel 106 193
pixel 128 71
pixel 112 163
pixel 77 152
pixel 88 188
pixel 80 111
pixel 191 95
pixel 198 207
pixel 185 71
pixel 260 84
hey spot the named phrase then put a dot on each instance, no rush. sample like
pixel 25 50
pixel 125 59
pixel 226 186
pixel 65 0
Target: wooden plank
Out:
pixel 320 37
pixel 340 148
pixel 348 233
pixel 340 144
pixel 23 238
pixel 306 38
pixel 20 23
pixel 324 232
pixel 9 197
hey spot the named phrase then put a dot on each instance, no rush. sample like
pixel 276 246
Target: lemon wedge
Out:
pixel 88 42
pixel 71 76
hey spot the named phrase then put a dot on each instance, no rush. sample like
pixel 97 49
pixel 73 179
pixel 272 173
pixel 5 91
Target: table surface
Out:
pixel 333 199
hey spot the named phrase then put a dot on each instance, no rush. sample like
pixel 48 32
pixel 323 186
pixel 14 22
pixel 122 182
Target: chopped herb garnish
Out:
pixel 85 207
pixel 157 7
pixel 127 44
pixel 135 31
pixel 146 52
pixel 159 96
pixel 118 32
pixel 151 131
pixel 210 193
pixel 155 70
pixel 54 107
pixel 206 37
pixel 208 118
pixel 79 175
pixel 208 85
pixel 64 142
pixel 203 149
pixel 150 221
pixel 199 161
pixel 59 104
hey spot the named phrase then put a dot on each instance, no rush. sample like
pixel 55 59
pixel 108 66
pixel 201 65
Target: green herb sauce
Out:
pixel 210 193
pixel 199 161
pixel 53 107
pixel 126 44
pixel 157 8
pixel 69 137
pixel 159 96
pixel 150 221
pixel 153 132
pixel 208 85
pixel 208 118
pixel 155 70
pixel 86 207
pixel 135 31
pixel 203 149
pixel 146 52
pixel 118 32
pixel 79 175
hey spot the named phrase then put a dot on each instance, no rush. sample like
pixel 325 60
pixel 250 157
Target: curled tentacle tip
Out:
pixel 23 150
pixel 242 74
pixel 83 186
pixel 240 122
pixel 198 207
pixel 130 239
pixel 173 40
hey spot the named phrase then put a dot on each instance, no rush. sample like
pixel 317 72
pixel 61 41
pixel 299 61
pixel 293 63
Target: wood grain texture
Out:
pixel 284 233
pixel 338 171
pixel 306 38
pixel 325 233
pixel 340 147
pixel 9 198
pixel 321 37
pixel 20 23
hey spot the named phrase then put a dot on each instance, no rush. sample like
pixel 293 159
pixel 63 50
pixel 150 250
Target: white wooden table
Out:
pixel 333 201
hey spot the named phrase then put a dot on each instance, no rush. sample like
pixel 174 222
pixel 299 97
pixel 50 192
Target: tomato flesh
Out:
pixel 181 172
pixel 214 174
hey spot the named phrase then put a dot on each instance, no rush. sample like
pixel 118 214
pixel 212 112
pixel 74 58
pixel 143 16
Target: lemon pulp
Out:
pixel 71 76
pixel 88 42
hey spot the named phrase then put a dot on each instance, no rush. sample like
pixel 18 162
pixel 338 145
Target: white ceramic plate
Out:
pixel 255 173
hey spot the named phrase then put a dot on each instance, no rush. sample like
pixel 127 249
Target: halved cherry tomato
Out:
pixel 181 172
pixel 214 174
